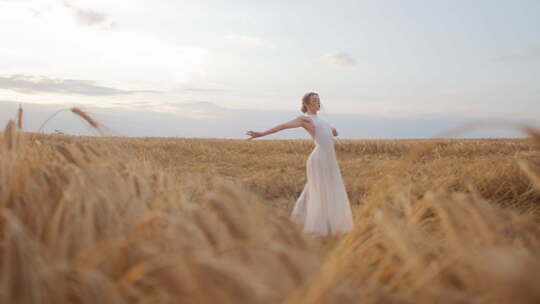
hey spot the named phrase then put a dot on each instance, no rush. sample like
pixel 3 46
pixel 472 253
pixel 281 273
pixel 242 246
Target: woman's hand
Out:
pixel 254 134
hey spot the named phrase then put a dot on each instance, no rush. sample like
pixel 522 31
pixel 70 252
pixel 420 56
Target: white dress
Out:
pixel 323 207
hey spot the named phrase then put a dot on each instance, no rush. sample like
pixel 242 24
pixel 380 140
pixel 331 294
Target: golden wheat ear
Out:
pixel 85 116
pixel 534 134
pixel 529 167
pixel 100 128
pixel 10 135
pixel 20 118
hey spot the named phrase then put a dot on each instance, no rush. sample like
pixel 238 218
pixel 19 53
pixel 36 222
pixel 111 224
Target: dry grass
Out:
pixel 116 220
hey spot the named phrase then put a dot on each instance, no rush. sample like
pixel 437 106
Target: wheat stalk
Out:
pixel 20 118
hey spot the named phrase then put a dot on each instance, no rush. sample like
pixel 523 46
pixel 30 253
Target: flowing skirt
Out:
pixel 323 207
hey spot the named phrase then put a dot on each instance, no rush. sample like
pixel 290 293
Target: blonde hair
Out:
pixel 306 99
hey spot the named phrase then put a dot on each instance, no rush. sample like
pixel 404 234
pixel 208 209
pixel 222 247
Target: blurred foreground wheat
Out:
pixel 114 220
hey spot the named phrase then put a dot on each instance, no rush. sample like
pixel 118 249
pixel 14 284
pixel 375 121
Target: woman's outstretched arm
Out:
pixel 295 123
pixel 334 132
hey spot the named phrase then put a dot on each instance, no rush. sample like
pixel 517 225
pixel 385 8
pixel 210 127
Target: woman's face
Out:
pixel 315 103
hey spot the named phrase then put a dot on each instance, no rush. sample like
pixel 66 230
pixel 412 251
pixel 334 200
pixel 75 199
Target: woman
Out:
pixel 323 207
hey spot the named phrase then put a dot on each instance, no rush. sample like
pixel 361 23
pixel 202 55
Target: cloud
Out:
pixel 248 41
pixel 530 55
pixel 89 17
pixel 339 58
pixel 39 84
pixel 122 58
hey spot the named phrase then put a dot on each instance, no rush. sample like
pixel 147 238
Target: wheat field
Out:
pixel 187 220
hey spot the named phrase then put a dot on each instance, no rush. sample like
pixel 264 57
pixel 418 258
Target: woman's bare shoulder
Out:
pixel 303 118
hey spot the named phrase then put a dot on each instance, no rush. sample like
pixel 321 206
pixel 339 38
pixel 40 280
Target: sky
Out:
pixel 383 69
